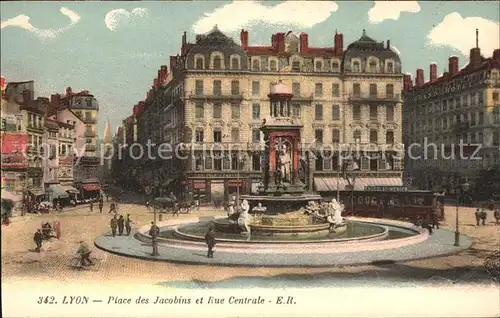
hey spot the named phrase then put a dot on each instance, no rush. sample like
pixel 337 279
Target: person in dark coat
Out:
pixel 426 225
pixel 128 226
pixel 91 206
pixel 484 215
pixel 114 224
pixel 101 205
pixel 478 216
pixel 121 224
pixel 38 238
pixel 210 239
pixel 435 219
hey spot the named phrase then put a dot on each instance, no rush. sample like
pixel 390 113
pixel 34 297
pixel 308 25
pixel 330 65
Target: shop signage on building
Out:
pixel 386 188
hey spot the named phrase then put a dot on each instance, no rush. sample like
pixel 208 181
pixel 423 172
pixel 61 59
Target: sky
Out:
pixel 114 49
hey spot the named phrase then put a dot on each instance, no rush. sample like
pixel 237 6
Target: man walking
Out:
pixel 210 239
pixel 101 205
pixel 484 215
pixel 114 224
pixel 128 226
pixel 120 225
pixel 84 252
pixel 38 238
pixel 154 231
pixel 91 206
pixel 478 216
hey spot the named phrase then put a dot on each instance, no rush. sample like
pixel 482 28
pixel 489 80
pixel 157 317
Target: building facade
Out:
pixel 211 104
pixel 461 106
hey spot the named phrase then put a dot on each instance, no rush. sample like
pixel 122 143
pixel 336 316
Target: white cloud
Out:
pixel 118 16
pixel 239 14
pixel 391 10
pixel 23 21
pixel 460 33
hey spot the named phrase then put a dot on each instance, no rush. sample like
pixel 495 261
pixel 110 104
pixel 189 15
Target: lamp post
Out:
pixel 241 161
pixel 461 189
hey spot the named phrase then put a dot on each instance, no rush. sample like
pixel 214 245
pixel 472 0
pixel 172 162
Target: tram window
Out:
pixel 373 201
pixel 367 200
pixel 361 200
pixel 392 202
pixel 420 200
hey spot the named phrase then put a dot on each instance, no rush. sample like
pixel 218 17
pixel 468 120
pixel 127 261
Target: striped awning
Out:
pixel 325 184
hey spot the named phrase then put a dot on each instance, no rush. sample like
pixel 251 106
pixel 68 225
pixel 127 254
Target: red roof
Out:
pixel 319 51
pixel 267 50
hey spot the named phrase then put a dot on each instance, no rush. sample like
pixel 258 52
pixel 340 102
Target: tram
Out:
pixel 390 202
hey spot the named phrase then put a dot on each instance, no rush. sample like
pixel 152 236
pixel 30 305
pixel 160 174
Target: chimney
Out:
pixel 183 45
pixel 163 73
pixel 339 44
pixel 26 97
pixel 475 56
pixel 273 41
pixel 388 44
pixel 432 72
pixel 244 39
pixel 141 105
pixel 453 65
pixel 55 99
pixel 155 82
pixel 304 42
pixel 68 91
pixel 280 42
pixel 419 81
pixel 407 84
pixel 496 55
pixel 173 61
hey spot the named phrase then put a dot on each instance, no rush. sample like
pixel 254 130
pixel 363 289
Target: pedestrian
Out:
pixel 128 223
pixel 426 224
pixel 210 239
pixel 120 225
pixel 84 252
pixel 38 238
pixel 101 205
pixel 107 197
pixel 114 224
pixel 478 216
pixel 154 231
pixel 484 215
pixel 435 220
pixel 496 214
pixel 112 207
pixel 91 206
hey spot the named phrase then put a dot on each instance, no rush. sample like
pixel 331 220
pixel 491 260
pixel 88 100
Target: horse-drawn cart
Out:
pixel 170 205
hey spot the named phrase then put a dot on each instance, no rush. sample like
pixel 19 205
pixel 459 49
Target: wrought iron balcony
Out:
pixel 230 95
pixel 90 134
pixel 302 98
pixel 374 97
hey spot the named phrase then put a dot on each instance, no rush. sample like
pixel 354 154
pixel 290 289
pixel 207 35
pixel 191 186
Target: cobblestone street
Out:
pixel 20 263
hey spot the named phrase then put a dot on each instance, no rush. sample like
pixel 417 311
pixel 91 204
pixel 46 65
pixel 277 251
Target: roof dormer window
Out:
pixel 217 64
pixel 356 67
pixel 256 65
pixel 318 66
pixel 199 63
pixel 235 63
pixel 272 66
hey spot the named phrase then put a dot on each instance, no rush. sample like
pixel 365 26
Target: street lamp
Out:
pixel 461 189
pixel 241 161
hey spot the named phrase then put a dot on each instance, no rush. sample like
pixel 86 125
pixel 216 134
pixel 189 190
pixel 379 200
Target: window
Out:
pixel 199 63
pixel 495 96
pixel 335 136
pixel 335 66
pixel 255 135
pixel 217 63
pixel 373 90
pixel 318 163
pixel 481 118
pixel 373 112
pixel 389 113
pixel 389 90
pixel 256 162
pixel 356 90
pixel 218 161
pixel 256 65
pixel 235 111
pixel 199 111
pixel 272 67
pixel 356 112
pixel 318 135
pixel 198 163
pixel 296 110
pixel 390 67
pixel 480 134
pixel 496 115
pixel 496 138
pixel 235 135
pixel 335 90
pixel 335 112
pixel 318 112
pixel 318 90
pixel 217 134
pixel 356 67
pixel 356 136
pixel 373 136
pixel 235 63
pixel 318 66
pixel 217 110
pixel 372 66
pixel 199 87
pixel 296 89
pixel 217 88
pixel 296 66
pixel 199 135
pixel 389 137
pixel 255 88
pixel 373 164
pixel 235 87
pixel 256 111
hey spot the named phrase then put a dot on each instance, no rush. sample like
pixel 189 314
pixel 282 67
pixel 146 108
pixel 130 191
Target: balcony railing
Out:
pixel 375 97
pixel 222 95
pixel 90 134
pixel 90 147
pixel 89 120
pixel 33 127
pixel 302 98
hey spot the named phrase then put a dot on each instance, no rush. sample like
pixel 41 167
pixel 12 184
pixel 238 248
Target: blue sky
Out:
pixel 116 54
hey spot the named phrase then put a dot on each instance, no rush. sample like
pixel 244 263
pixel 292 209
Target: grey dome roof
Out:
pixel 216 41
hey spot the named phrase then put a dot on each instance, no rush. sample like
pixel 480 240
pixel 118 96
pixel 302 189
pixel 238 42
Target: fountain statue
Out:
pixel 337 210
pixel 259 209
pixel 244 218
pixel 284 163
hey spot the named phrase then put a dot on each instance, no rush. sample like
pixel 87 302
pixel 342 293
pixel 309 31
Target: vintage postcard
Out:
pixel 250 159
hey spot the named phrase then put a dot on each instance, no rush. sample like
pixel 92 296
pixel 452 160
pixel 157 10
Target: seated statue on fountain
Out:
pixel 232 215
pixel 334 214
pixel 244 218
pixel 259 209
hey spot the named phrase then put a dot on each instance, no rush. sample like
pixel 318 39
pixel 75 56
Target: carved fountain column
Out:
pixel 272 161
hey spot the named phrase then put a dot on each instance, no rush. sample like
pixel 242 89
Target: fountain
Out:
pixel 282 207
